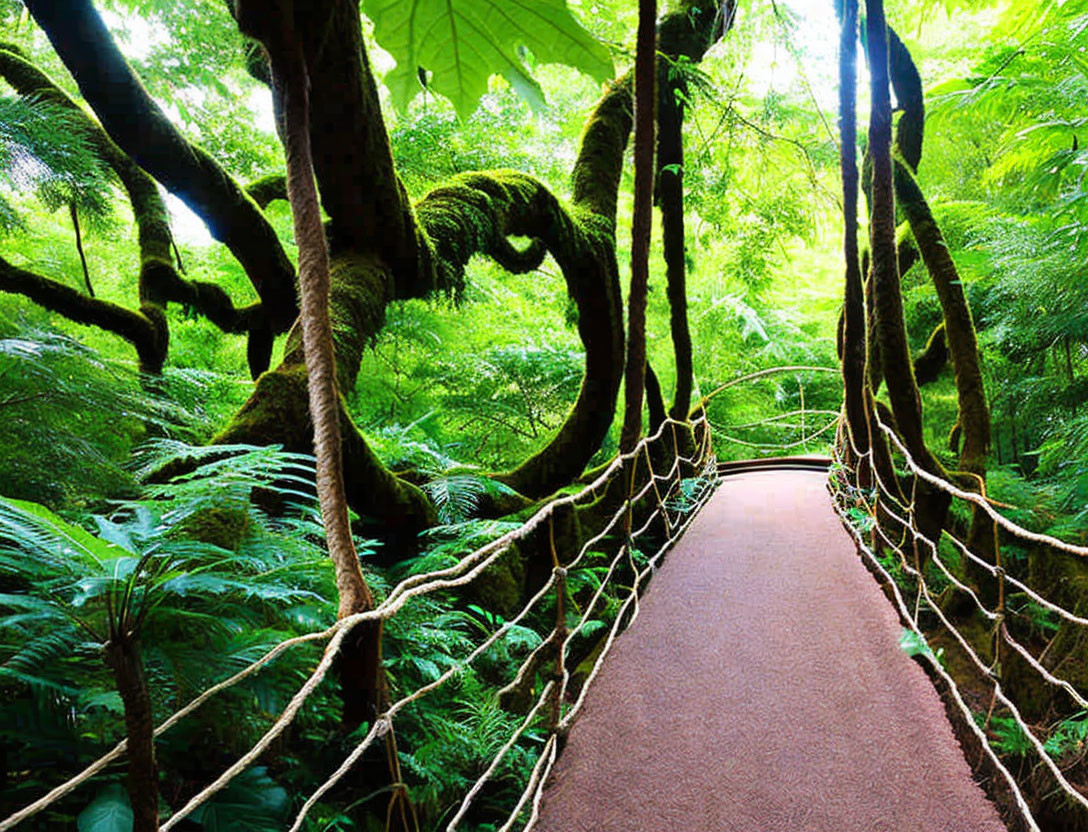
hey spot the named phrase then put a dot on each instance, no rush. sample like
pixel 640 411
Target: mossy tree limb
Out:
pixel 368 206
pixel 930 361
pixel 135 327
pixel 959 329
pixel 887 300
pixel 140 128
pixel 159 282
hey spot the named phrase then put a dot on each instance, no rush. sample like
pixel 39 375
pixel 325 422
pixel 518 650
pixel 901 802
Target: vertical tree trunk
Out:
pixel 670 199
pixel 123 658
pixel 932 504
pixel 854 327
pixel 645 99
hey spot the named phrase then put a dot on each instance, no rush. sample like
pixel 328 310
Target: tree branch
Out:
pixel 140 128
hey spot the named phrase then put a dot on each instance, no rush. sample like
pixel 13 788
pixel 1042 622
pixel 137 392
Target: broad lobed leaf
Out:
pixel 462 43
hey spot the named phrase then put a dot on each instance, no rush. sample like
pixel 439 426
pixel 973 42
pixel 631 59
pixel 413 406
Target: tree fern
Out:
pixel 45 150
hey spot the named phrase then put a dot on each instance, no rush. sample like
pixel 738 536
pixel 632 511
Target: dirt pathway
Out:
pixel 762 689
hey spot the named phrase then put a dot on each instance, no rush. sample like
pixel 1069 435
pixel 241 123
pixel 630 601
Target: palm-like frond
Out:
pixel 45 149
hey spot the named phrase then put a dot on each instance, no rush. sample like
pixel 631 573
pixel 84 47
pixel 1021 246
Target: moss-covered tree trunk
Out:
pixel 958 329
pixel 853 340
pixel 641 222
pixel 931 504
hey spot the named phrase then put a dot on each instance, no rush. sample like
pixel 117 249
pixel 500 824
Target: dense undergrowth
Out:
pixel 228 560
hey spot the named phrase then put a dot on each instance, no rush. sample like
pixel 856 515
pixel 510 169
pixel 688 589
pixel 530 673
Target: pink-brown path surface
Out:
pixel 762 689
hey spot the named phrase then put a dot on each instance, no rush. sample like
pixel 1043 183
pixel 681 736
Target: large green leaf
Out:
pixel 34 525
pixel 110 811
pixel 462 43
pixel 253 801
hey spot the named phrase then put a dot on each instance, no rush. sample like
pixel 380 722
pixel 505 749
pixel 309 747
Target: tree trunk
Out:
pixel 670 200
pixel 853 321
pixel 641 222
pixel 931 504
pixel 123 658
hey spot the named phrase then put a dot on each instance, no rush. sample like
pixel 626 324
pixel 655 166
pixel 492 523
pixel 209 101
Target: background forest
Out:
pixel 470 380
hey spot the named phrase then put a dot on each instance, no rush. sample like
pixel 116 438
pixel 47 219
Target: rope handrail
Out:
pixel 673 516
pixel 883 505
pixel 976 499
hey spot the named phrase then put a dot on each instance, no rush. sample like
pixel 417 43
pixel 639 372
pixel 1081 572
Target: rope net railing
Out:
pixel 946 593
pixel 643 513
pixel 801 428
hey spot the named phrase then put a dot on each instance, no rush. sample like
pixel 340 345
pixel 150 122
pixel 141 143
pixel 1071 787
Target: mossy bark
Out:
pixel 140 128
pixel 641 222
pixel 135 327
pixel 931 503
pixel 930 361
pixel 685 32
pixel 159 282
pixel 958 326
pixel 123 658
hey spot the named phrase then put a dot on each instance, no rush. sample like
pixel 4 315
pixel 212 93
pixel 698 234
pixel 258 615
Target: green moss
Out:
pixel 276 413
pixel 501 587
pixel 267 189
pixel 222 527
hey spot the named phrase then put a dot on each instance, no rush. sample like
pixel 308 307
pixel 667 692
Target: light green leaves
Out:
pixel 462 43
pixel 110 811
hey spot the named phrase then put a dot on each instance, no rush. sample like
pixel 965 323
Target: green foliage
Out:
pixel 253 801
pixel 110 811
pixel 70 416
pixel 914 644
pixel 1068 738
pixel 45 149
pixel 457 45
pixel 1007 737
pixel 206 582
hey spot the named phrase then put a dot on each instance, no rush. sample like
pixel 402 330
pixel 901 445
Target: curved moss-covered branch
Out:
pixel 159 282
pixel 382 248
pixel 907 83
pixel 474 214
pixel 135 327
pixel 140 128
pixel 268 189
pixel 959 327
pixel 930 361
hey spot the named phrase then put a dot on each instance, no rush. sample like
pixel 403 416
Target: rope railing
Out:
pixel 726 433
pixel 665 504
pixel 895 540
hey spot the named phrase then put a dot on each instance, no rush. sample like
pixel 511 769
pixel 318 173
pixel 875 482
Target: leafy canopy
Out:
pixel 459 44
